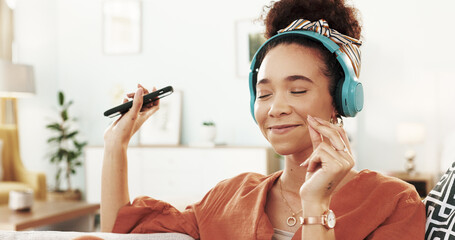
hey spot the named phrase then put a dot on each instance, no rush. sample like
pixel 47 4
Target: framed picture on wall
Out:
pixel 249 37
pixel 164 127
pixel 121 27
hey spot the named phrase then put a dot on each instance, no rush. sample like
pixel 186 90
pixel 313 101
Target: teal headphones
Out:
pixel 349 91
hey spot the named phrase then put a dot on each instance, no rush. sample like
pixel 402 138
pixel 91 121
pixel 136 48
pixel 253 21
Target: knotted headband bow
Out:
pixel 348 45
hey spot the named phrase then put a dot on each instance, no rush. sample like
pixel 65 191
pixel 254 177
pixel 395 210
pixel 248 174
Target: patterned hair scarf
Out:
pixel 348 45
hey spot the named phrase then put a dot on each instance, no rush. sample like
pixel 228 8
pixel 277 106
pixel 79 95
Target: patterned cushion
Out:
pixel 440 208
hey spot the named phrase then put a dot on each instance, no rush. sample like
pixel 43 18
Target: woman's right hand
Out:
pixel 120 131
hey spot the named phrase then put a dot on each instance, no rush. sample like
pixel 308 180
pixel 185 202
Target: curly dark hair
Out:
pixel 343 18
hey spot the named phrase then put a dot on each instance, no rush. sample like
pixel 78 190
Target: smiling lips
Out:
pixel 282 129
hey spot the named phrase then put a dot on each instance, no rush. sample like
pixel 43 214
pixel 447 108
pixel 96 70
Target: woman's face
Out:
pixel 290 86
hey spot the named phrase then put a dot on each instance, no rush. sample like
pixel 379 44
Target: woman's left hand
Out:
pixel 329 163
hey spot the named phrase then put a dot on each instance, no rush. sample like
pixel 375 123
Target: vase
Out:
pixel 208 134
pixel 20 200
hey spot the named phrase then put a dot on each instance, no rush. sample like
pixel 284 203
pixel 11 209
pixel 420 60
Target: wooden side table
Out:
pixel 44 213
pixel 423 182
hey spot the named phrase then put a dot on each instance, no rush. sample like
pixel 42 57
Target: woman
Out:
pixel 296 84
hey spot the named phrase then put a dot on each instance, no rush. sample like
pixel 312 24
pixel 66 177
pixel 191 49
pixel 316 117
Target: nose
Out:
pixel 280 106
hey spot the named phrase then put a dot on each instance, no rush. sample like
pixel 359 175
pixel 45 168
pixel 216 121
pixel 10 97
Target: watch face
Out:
pixel 331 219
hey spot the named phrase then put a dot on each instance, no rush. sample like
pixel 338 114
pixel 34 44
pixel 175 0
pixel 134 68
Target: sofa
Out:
pixel 15 175
pixel 54 235
pixel 439 206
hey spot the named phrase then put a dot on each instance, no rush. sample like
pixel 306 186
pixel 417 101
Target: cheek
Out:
pixel 316 106
pixel 260 113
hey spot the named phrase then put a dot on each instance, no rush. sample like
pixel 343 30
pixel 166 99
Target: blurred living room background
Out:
pixel 201 49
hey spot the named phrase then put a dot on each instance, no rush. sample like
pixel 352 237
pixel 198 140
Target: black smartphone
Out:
pixel 148 98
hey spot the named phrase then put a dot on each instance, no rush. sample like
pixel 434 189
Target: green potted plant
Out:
pixel 208 132
pixel 66 151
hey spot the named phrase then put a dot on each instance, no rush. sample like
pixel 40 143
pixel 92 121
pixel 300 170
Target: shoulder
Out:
pixel 382 180
pixel 377 184
pixel 388 208
pixel 246 181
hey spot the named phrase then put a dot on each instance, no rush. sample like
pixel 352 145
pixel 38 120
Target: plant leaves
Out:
pixel 71 135
pixel 64 115
pixel 61 98
pixel 66 148
pixel 54 126
pixel 79 145
pixel 53 139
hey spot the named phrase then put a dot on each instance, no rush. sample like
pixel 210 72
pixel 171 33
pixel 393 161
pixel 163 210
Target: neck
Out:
pixel 293 175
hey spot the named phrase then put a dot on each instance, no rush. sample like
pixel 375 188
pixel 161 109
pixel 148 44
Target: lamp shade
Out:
pixel 16 80
pixel 410 133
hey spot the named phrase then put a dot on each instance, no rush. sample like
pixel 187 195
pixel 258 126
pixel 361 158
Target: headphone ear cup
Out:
pixel 348 97
pixel 339 98
pixel 357 96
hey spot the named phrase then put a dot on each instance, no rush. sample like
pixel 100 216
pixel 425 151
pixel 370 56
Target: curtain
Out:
pixel 6 31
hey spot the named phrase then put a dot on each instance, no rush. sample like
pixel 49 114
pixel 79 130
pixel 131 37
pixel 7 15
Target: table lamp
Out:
pixel 410 134
pixel 16 80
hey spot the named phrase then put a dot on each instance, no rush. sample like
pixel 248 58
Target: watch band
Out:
pixel 328 220
pixel 319 220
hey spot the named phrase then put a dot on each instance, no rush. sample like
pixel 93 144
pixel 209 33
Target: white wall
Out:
pixel 407 73
pixel 36 38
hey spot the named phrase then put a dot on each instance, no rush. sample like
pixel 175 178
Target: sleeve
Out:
pixel 407 222
pixel 148 215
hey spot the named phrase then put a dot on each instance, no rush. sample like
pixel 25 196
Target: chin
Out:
pixel 294 142
pixel 288 148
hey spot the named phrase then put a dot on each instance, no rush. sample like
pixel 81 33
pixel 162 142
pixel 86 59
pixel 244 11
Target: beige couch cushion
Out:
pixel 1 165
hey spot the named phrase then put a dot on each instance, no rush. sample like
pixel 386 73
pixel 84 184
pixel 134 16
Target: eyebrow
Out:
pixel 288 78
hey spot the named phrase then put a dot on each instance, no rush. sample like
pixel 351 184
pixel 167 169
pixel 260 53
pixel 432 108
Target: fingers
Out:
pixel 335 144
pixel 328 131
pixel 326 153
pixel 145 90
pixel 315 137
pixel 339 129
pixel 152 104
pixel 125 100
pixel 137 101
pixel 344 136
pixel 325 170
pixel 131 95
pixel 328 164
pixel 148 105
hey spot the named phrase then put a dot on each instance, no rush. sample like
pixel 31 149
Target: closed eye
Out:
pixel 299 92
pixel 264 96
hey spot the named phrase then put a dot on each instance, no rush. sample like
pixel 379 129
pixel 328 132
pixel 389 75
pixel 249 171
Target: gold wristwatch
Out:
pixel 327 220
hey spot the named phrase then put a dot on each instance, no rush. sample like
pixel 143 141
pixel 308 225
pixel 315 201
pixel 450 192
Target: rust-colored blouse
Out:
pixel 371 206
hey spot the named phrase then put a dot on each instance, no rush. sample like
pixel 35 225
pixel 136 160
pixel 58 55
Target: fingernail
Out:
pixel 304 163
pixel 319 120
pixel 311 119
